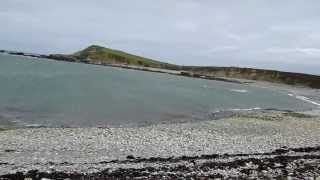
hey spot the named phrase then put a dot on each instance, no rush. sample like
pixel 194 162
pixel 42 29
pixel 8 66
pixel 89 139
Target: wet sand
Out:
pixel 256 144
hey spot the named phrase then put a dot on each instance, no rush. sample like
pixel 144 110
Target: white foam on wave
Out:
pixel 306 99
pixel 248 109
pixel 239 90
pixel 33 125
pixel 238 109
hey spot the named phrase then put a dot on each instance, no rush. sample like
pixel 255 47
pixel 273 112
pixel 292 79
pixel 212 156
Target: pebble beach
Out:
pixel 90 151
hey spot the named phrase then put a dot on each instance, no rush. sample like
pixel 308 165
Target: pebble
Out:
pixel 81 149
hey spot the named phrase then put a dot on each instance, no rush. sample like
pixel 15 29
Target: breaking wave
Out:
pixel 306 99
pixel 239 90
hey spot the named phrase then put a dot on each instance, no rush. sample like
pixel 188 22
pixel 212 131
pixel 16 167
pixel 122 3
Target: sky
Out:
pixel 271 34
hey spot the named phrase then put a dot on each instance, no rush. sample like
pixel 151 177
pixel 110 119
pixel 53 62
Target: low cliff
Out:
pixel 258 74
pixel 104 56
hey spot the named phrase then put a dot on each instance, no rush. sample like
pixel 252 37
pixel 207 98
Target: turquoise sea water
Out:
pixel 55 94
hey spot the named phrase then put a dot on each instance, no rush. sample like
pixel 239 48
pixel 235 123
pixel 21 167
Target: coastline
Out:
pixel 132 67
pixel 226 74
pixel 169 150
pixel 254 143
pixel 98 55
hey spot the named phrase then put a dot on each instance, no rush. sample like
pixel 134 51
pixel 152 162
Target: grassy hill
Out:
pixel 101 55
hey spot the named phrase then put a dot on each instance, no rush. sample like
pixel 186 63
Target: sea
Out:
pixel 47 93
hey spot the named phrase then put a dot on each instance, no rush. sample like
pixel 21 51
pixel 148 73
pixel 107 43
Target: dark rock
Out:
pixel 130 157
pixel 9 150
pixel 17 53
pixel 281 151
pixel 62 57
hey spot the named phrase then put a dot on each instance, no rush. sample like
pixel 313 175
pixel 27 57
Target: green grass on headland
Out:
pixel 101 55
pixel 105 56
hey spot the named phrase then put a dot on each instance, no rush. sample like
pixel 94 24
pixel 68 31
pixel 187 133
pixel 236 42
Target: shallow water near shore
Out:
pixel 39 92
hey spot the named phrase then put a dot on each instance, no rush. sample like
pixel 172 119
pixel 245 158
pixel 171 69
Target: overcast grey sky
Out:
pixel 276 34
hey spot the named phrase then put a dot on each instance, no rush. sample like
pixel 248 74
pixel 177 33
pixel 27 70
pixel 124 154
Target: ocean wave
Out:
pixel 238 109
pixel 34 126
pixel 248 109
pixel 239 90
pixel 306 99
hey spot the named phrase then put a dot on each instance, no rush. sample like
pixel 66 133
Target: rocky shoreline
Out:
pixel 68 58
pixel 227 74
pixel 262 144
pixel 269 145
pixel 299 163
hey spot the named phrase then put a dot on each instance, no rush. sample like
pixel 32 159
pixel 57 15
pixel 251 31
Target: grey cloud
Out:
pixel 273 34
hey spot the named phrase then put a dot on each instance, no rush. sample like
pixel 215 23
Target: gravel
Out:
pixel 85 150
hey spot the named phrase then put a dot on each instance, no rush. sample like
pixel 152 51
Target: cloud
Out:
pixel 234 36
pixel 308 52
pixel 221 49
pixel 274 34
pixel 186 26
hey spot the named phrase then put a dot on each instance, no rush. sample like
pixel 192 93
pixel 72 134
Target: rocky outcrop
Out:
pixel 283 163
pixel 259 74
pixel 61 57
pixel 103 56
